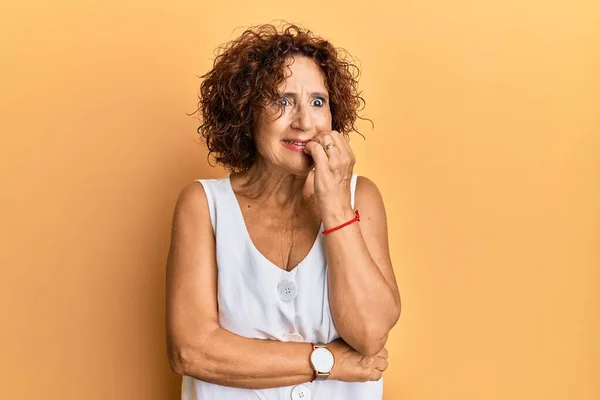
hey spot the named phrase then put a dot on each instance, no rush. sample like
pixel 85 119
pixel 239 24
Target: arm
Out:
pixel 200 348
pixel 197 346
pixel 363 294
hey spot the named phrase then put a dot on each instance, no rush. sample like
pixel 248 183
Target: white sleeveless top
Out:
pixel 257 299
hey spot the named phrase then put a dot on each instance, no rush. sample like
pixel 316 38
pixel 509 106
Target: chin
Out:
pixel 301 167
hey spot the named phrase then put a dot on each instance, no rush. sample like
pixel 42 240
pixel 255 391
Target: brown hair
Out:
pixel 244 79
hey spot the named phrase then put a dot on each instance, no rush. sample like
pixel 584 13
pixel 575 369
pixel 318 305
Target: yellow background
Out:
pixel 486 147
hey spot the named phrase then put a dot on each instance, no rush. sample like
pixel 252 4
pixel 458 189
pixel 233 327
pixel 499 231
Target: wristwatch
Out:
pixel 321 359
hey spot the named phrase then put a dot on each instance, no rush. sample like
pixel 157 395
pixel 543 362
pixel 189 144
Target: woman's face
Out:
pixel 280 139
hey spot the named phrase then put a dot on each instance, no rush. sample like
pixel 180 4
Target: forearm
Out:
pixel 362 302
pixel 227 359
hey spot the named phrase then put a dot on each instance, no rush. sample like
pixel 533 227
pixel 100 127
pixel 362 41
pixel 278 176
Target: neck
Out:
pixel 273 186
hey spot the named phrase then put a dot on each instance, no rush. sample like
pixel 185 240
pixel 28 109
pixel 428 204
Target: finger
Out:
pixel 382 364
pixel 319 137
pixel 315 150
pixel 376 375
pixel 341 143
pixel 383 353
pixel 325 140
pixel 340 140
pixel 339 154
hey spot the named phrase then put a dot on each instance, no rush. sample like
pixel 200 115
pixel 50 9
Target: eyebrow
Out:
pixel 313 94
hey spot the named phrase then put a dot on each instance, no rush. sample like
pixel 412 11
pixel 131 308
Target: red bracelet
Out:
pixel 356 218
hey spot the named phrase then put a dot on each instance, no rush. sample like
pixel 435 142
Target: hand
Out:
pixel 351 366
pixel 333 169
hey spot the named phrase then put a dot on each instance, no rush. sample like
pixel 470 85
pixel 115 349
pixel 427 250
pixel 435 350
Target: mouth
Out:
pixel 294 143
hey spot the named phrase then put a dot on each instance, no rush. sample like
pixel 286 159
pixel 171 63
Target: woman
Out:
pixel 277 288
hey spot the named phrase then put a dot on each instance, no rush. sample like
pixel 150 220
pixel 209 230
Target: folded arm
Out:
pixel 197 345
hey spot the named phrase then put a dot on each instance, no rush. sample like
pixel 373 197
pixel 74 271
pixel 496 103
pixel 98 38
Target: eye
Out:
pixel 318 102
pixel 285 101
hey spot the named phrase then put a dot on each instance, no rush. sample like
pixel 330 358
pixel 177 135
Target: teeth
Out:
pixel 295 143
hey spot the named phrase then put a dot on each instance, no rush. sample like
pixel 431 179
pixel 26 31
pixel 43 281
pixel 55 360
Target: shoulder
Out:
pixel 191 201
pixel 367 191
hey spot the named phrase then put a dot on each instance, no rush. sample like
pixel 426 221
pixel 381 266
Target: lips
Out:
pixel 295 144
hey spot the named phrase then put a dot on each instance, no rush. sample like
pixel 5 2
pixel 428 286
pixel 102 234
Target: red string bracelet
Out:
pixel 356 218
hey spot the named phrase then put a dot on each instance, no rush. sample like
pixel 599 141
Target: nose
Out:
pixel 302 119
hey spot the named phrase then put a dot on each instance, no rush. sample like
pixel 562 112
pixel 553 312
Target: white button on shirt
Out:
pixel 259 300
pixel 293 337
pixel 300 392
pixel 288 290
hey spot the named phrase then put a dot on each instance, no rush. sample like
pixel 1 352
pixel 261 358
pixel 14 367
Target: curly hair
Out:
pixel 245 78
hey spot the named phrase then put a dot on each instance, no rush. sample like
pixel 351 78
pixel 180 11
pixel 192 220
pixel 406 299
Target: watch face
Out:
pixel 322 359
